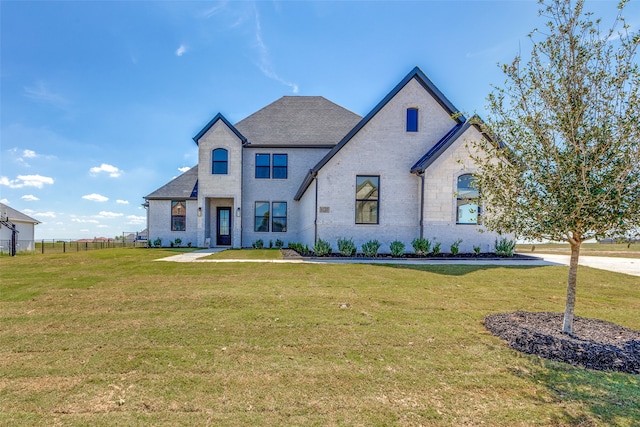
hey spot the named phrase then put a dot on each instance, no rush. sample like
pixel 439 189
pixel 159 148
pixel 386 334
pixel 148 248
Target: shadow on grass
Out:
pixel 610 397
pixel 457 269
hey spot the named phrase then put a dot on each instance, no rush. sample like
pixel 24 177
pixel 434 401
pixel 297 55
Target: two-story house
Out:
pixel 304 168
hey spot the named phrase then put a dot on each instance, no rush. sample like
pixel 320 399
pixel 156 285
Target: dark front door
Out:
pixel 223 229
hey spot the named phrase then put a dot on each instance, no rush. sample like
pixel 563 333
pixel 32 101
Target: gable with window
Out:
pixel 412 120
pixel 467 209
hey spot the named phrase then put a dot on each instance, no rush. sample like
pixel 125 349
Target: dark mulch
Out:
pixel 290 253
pixel 596 344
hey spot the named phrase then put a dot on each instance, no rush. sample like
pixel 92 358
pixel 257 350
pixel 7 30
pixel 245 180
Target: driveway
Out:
pixel 619 265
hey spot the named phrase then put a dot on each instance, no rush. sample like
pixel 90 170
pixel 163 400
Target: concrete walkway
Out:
pixel 619 265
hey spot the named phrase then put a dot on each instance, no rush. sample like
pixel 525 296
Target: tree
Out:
pixel 568 120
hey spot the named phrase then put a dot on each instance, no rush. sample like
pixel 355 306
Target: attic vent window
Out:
pixel 412 120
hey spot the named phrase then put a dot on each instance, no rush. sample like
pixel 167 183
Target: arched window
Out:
pixel 220 161
pixel 467 200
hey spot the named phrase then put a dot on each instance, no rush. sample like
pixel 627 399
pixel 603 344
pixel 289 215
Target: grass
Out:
pixel 588 249
pixel 112 337
pixel 247 254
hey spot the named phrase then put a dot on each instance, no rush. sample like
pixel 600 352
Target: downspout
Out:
pixel 421 204
pixel 315 219
pixel 241 190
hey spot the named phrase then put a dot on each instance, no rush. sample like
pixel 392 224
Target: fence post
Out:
pixel 64 247
pixel 42 248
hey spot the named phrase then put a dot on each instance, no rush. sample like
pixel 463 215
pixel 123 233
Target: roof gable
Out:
pixel 14 215
pixel 213 122
pixel 421 78
pixel 184 186
pixel 300 121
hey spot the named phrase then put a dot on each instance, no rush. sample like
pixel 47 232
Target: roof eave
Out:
pixel 213 121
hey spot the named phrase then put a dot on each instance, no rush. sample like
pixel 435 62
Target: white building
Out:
pixel 24 226
pixel 304 168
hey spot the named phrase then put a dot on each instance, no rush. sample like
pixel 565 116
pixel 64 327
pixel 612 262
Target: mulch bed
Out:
pixel 290 253
pixel 596 344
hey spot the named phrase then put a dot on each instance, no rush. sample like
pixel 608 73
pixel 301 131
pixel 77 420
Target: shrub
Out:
pixel 505 247
pixel 258 244
pixel 346 247
pixel 476 250
pixel 157 243
pixel 178 241
pixel 370 248
pixel 436 249
pixel 279 243
pixel 397 248
pixel 300 248
pixel 270 244
pixel 455 247
pixel 322 247
pixel 421 246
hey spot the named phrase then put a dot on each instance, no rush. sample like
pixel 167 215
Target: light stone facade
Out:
pixel 417 170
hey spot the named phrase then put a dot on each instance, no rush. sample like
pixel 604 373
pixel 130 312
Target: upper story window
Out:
pixel 178 215
pixel 220 158
pixel 467 194
pixel 412 120
pixel 280 166
pixel 367 199
pixel 263 165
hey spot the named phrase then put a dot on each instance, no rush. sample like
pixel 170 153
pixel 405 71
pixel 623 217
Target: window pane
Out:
pixel 412 120
pixel 279 213
pixel 220 157
pixel 467 200
pixel 178 215
pixel 263 165
pixel 367 212
pixel 367 203
pixel 367 187
pixel 262 216
pixel 280 166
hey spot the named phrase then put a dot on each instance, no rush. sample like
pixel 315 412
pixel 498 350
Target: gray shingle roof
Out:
pixel 181 187
pixel 298 120
pixel 15 215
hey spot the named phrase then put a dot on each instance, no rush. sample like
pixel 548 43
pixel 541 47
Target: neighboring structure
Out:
pixel 16 231
pixel 304 168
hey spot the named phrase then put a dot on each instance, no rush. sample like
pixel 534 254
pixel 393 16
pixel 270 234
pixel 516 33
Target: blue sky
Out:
pixel 99 100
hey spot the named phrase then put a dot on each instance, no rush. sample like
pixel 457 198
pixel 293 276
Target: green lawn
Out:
pixel 112 337
pixel 588 249
pixel 247 254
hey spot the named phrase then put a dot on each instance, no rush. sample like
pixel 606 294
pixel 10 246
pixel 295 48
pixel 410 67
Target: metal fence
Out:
pixel 63 245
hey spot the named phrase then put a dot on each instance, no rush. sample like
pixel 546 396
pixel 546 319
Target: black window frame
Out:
pixel 413 115
pixel 263 169
pixel 279 169
pixel 263 220
pixel 282 226
pixel 224 162
pixel 178 217
pixel 361 202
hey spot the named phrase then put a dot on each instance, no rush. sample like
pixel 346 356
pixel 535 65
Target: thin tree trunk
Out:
pixel 567 326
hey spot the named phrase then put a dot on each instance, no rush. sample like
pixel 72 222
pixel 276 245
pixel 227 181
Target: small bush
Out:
pixel 178 241
pixel 322 247
pixel 279 243
pixel 258 244
pixel 346 247
pixel 270 244
pixel 300 248
pixel 455 247
pixel 157 243
pixel 436 248
pixel 476 250
pixel 421 246
pixel 505 247
pixel 370 248
pixel 397 248
pixel 189 244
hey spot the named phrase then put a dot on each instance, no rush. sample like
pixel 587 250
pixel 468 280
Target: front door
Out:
pixel 223 228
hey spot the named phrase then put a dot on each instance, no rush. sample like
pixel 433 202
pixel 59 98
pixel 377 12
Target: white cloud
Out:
pixel 21 181
pixel 85 221
pixel 29 198
pixel 181 50
pixel 214 10
pixel 122 202
pixel 95 197
pixel 29 154
pixel 113 171
pixel 265 59
pixel 41 93
pixel 184 169
pixel 136 219
pixel 43 214
pixel 105 214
